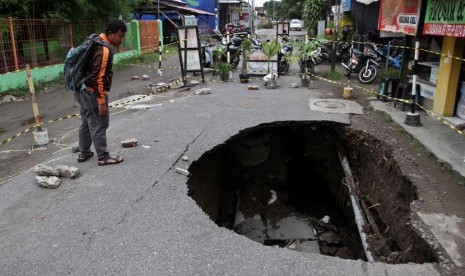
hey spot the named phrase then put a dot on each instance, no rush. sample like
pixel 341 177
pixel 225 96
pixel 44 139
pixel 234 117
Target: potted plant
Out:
pixel 224 69
pixel 307 51
pixel 270 49
pixel 246 48
pixel 218 52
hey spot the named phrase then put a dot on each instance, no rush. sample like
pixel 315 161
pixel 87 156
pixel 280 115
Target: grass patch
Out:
pixel 389 73
pixel 334 75
pixel 39 86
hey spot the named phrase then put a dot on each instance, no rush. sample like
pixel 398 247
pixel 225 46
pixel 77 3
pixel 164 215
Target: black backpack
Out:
pixel 76 62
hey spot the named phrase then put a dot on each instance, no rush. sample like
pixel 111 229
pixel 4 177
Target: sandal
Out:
pixel 83 158
pixel 110 160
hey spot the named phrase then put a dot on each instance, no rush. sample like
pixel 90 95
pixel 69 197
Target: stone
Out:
pixel 325 219
pixel 75 149
pixel 344 253
pixel 203 91
pixel 252 87
pixel 68 171
pixel 182 171
pixel 308 247
pixel 185 158
pixel 330 237
pixel 135 78
pixel 253 229
pixel 129 143
pixel 9 98
pixel 51 182
pixel 294 85
pixel 290 228
pixel 145 77
pixel 44 170
pixel 194 82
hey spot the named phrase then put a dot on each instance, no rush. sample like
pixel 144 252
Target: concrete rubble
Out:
pixel 44 170
pixel 51 182
pixel 68 171
pixel 129 143
pixel 203 91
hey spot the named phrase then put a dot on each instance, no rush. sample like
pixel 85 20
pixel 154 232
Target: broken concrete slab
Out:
pixel 129 143
pixel 203 91
pixel 290 228
pixel 308 247
pixel 253 229
pixel 44 170
pixel 68 171
pixel 51 182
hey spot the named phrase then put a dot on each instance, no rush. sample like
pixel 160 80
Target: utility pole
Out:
pixel 336 22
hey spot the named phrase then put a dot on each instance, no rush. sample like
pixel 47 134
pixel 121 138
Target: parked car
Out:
pixel 296 24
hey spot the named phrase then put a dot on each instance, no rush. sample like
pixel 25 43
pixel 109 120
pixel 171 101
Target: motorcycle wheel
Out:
pixel 235 63
pixel 367 75
pixel 311 68
pixel 319 60
pixel 283 68
pixel 346 71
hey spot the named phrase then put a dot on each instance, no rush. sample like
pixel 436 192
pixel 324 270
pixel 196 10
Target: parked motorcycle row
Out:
pixel 365 63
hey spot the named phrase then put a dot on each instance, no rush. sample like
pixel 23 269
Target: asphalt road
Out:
pixel 136 218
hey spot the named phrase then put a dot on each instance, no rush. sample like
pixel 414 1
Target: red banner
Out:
pixel 399 16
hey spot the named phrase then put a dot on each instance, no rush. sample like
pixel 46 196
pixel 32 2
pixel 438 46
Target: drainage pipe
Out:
pixel 359 219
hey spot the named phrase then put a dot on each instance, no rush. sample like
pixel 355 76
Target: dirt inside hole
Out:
pixel 283 185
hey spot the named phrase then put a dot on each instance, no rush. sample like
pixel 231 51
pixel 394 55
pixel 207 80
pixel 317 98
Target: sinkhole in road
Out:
pixel 283 184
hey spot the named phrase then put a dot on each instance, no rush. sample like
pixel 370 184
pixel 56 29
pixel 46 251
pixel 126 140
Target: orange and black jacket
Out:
pixel 99 68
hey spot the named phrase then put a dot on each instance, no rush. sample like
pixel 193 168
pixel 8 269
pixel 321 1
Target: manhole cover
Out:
pixel 330 104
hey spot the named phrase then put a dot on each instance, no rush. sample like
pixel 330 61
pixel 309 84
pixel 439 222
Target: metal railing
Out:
pixel 40 42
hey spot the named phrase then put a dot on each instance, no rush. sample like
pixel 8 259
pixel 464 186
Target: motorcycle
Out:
pixel 283 56
pixel 307 61
pixel 206 51
pixel 362 63
pixel 382 57
pixel 342 53
pixel 234 49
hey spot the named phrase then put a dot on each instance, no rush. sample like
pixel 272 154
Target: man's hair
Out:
pixel 114 26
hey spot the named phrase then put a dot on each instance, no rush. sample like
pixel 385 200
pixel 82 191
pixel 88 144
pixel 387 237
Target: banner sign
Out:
pixel 399 16
pixel 445 18
pixel 345 5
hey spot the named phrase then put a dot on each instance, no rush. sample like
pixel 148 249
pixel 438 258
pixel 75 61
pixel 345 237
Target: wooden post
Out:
pixel 35 106
pixel 13 44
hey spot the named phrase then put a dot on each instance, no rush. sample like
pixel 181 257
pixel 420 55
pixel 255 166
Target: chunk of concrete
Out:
pixel 51 182
pixel 129 143
pixel 194 82
pixel 68 171
pixel 253 229
pixel 308 247
pixel 330 237
pixel 145 77
pixel 203 91
pixel 44 170
pixel 290 228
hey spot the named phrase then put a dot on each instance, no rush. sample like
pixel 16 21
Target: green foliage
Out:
pixel 315 10
pixel 246 47
pixel 223 69
pixel 72 10
pixel 334 75
pixel 284 9
pixel 270 49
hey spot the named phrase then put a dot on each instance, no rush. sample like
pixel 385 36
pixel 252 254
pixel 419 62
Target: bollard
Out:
pixel 40 135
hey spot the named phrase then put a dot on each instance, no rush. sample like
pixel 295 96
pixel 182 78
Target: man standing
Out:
pixel 93 98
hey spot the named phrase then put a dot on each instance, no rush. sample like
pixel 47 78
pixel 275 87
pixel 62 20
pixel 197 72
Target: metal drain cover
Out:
pixel 335 106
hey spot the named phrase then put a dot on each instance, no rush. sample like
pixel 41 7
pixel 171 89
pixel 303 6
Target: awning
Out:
pixel 186 8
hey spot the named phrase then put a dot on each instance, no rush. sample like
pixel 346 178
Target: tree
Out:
pixel 315 10
pixel 73 10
